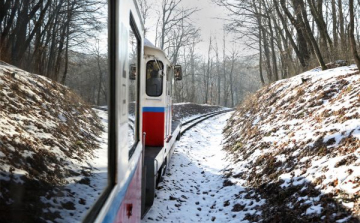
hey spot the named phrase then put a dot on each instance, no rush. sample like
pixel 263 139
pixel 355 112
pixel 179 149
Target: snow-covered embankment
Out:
pixel 297 142
pixel 194 189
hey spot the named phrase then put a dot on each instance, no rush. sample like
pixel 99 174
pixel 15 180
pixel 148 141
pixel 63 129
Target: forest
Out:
pixel 51 38
pixel 287 38
pixel 62 40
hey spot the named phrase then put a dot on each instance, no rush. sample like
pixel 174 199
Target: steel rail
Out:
pixel 192 122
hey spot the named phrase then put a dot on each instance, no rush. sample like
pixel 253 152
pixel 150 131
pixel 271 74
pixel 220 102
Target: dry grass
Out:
pixel 317 106
pixel 47 133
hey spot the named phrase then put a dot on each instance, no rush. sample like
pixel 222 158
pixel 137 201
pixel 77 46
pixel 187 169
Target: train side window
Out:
pixel 154 78
pixel 133 83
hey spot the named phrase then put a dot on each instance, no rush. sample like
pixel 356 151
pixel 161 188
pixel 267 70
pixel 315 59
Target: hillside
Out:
pixel 296 144
pixel 49 140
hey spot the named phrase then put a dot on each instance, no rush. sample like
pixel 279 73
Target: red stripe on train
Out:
pixel 153 125
pixel 130 210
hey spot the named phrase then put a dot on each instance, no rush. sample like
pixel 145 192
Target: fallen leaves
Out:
pixel 311 122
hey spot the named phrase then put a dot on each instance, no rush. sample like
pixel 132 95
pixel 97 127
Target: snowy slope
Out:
pixel 297 142
pixel 194 189
pixel 51 150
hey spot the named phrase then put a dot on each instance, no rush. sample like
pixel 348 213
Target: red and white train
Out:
pixel 142 134
pixel 61 160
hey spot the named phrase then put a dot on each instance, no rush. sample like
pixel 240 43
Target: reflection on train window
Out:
pixel 133 86
pixel 154 78
pixel 54 119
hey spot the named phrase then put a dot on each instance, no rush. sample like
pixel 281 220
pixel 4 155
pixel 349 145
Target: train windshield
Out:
pixel 154 78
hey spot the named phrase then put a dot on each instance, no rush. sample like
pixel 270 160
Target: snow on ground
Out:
pixel 194 189
pixel 87 193
pixel 52 150
pixel 297 141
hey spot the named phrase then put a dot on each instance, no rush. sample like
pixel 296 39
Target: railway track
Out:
pixel 194 121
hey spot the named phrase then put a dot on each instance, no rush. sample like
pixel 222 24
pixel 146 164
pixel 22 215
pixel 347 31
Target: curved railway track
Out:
pixel 189 123
pixel 194 121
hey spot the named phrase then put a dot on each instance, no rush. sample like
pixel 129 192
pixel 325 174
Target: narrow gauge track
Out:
pixel 185 125
pixel 194 121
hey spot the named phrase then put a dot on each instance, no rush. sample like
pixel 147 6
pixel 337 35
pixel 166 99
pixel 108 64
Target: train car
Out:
pixel 123 203
pixel 64 163
pixel 141 129
pixel 156 106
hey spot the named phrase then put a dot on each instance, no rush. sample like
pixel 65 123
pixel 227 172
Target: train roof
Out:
pixel 150 49
pixel 148 43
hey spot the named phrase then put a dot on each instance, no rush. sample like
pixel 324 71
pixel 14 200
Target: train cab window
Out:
pixel 154 78
pixel 133 83
pixel 54 111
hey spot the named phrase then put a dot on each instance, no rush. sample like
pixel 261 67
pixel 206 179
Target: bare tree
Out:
pixel 207 72
pixel 218 74
pixel 170 17
pixel 234 55
pixel 351 34
pixel 35 35
pixel 145 13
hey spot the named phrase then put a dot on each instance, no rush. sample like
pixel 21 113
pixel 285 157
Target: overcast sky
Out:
pixel 208 19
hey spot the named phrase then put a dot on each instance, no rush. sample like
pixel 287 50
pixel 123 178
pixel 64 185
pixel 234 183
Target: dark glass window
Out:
pixel 133 83
pixel 154 78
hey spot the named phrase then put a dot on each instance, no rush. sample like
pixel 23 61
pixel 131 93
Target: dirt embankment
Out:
pixel 47 133
pixel 297 143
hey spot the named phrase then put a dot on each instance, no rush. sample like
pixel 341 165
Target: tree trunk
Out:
pixel 342 27
pixel 290 37
pixel 260 59
pixel 306 25
pixel 351 34
pixel 282 52
pixel 192 70
pixel 316 11
pixel 334 24
pixel 207 75
pixel 4 40
pixel 224 72
pixel 267 56
pixel 231 79
pixel 274 60
pixel 4 7
pixel 258 19
pixel 303 45
pixel 18 36
pixel 63 79
pixel 218 74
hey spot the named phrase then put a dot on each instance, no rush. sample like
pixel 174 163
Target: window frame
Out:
pixel 137 35
pixel 162 78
